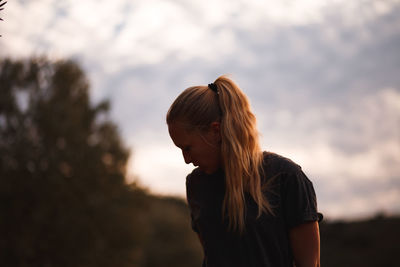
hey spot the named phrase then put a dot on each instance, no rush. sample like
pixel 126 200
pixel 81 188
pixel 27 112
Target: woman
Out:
pixel 249 208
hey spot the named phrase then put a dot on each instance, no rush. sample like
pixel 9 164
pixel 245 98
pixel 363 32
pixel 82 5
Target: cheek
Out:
pixel 195 154
pixel 207 155
pixel 198 154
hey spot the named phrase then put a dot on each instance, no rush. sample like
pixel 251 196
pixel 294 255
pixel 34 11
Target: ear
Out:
pixel 215 131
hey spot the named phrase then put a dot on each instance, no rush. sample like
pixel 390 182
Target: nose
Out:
pixel 186 157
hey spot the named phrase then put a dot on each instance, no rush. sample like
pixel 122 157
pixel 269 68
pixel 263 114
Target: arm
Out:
pixel 304 240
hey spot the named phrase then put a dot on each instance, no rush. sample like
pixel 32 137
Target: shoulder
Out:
pixel 274 163
pixel 296 192
pixel 283 172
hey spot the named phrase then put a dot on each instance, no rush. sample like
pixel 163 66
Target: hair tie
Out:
pixel 213 87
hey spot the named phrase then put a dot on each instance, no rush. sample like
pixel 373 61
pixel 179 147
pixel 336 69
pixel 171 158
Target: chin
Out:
pixel 203 169
pixel 208 171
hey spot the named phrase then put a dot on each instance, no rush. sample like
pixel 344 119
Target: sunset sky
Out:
pixel 323 78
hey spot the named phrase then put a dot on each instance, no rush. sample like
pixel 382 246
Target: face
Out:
pixel 202 149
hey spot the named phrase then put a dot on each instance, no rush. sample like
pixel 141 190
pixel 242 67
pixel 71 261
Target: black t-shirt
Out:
pixel 265 241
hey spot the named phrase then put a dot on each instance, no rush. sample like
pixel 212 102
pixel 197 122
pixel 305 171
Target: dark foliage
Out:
pixel 63 197
pixel 2 7
pixel 170 241
pixel 368 243
pixel 63 201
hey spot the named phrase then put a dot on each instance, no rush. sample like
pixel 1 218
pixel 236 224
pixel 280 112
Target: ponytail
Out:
pixel 242 158
pixel 242 155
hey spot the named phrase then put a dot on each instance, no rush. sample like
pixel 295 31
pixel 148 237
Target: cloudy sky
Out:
pixel 323 78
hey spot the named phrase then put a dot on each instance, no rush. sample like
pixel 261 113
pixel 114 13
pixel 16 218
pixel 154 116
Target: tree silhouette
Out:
pixel 63 199
pixel 63 196
pixel 1 7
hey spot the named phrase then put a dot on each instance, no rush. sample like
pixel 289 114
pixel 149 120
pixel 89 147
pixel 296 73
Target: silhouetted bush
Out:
pixel 63 196
pixel 368 243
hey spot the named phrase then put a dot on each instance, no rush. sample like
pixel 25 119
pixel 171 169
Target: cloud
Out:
pixel 351 152
pixel 323 82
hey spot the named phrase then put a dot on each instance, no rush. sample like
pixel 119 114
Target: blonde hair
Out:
pixel 242 158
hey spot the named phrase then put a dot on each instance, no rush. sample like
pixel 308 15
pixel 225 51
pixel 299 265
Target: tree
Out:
pixel 63 199
pixel 1 7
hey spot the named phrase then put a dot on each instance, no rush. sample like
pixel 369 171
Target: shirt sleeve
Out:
pixel 299 202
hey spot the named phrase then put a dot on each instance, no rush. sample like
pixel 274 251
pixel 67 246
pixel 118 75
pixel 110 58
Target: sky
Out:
pixel 323 78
